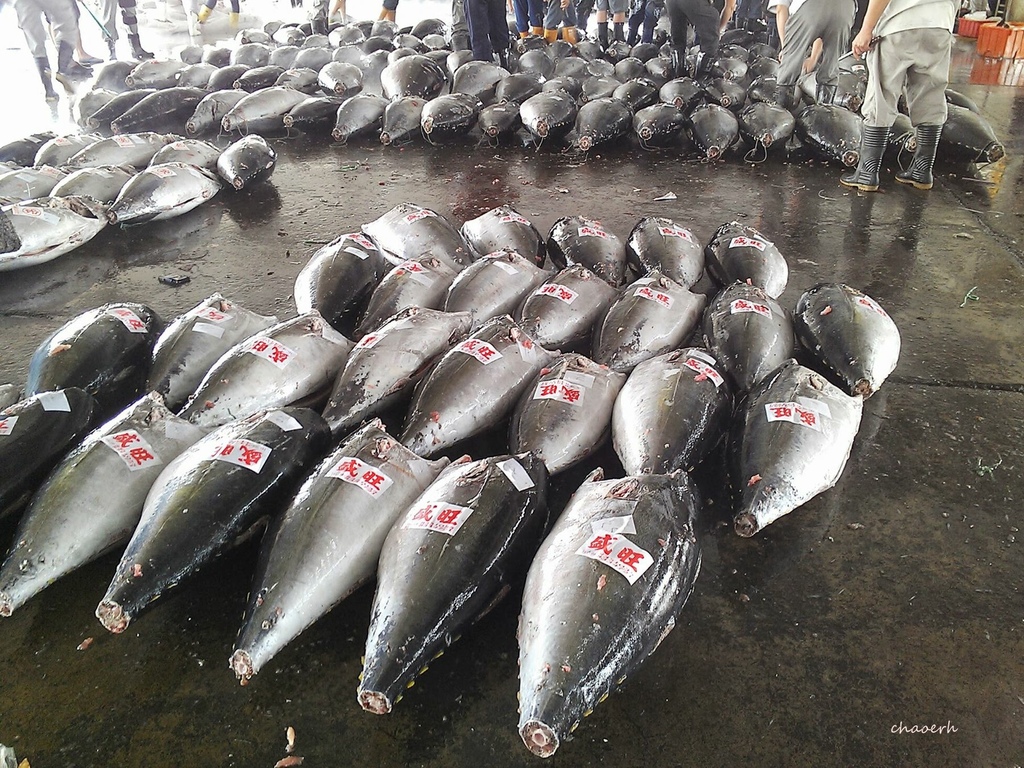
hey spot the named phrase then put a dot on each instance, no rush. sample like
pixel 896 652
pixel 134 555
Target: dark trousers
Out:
pixel 699 14
pixel 529 13
pixel 646 13
pixel 488 32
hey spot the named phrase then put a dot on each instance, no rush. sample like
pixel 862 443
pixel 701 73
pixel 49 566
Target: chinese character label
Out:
pixel 268 349
pixel 481 350
pixel 617 552
pixel 243 453
pixel 438 516
pixel 416 271
pixel 359 473
pixel 361 239
pixel 162 173
pixel 422 213
pixel 559 389
pixel 7 424
pixel 646 292
pixel 794 413
pixel 867 301
pixel 703 369
pixel 747 242
pixel 743 305
pixel 508 218
pixel 685 234
pixel 129 319
pixel 213 315
pixel 592 230
pixel 133 449
pixel 559 292
pixel 700 354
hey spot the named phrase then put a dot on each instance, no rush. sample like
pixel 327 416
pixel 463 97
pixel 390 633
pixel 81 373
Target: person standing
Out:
pixel 618 11
pixel 800 24
pixel 707 22
pixel 64 25
pixel 209 5
pixel 488 30
pixel 560 13
pixel 129 15
pixel 907 45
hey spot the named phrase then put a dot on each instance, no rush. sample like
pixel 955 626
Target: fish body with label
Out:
pixel 662 244
pixel 413 283
pixel 450 557
pixel 577 240
pixel 561 313
pixel 92 501
pixel 409 231
pixel 603 591
pixel 41 230
pixel 503 228
pixel 162 192
pixel 740 252
pixel 208 499
pixel 493 285
pixel 327 542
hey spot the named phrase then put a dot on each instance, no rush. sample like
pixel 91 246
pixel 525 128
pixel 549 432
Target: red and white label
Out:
pixel 509 218
pixel 213 315
pixel 747 242
pixel 133 449
pixel 619 553
pixel 360 239
pixel 7 425
pixel 35 213
pixel 561 390
pixel 867 301
pixel 129 319
pixel 179 145
pixel 243 453
pixel 162 172
pixel 62 141
pixel 268 349
pixel 685 234
pixel 422 213
pixel 743 305
pixel 124 141
pixel 557 291
pixel 369 340
pixel 703 369
pixel 795 413
pixel 592 230
pixel 481 350
pixel 438 516
pixel 359 473
pixel 417 272
pixel 658 297
pixel 52 172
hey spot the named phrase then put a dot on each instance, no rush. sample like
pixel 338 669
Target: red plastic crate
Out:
pixel 968 27
pixel 1001 42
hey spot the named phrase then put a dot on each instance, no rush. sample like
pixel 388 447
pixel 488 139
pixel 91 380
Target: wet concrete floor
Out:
pixel 894 599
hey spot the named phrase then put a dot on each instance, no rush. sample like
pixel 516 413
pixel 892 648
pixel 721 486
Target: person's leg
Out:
pixel 618 9
pixel 927 79
pixel 31 23
pixel 678 23
pixel 522 14
pixel 835 41
pixel 552 18
pixel 131 23
pixel 479 30
pixel 633 22
pixel 651 16
pixel 206 10
pixel 498 30
pixel 583 10
pixel 705 20
pixel 108 18
pixel 536 10
pixel 602 22
pixel 569 21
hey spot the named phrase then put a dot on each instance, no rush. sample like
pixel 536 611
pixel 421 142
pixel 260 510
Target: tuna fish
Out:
pixel 414 283
pixel 767 125
pixel 726 93
pixel 258 78
pixel 402 120
pixel 165 110
pixel 659 125
pixel 328 541
pixel 503 228
pixel 408 231
pixel 387 363
pixel 967 137
pixel 602 120
pixel 339 278
pixel 449 116
pixel 626 551
pixel 561 313
pixel 201 154
pixel 473 387
pixel 111 75
pixel 340 79
pixel 91 102
pixel 226 77
pixel 682 93
pixel 195 341
pixel 636 94
pixel 301 79
pixel 28 183
pixel 479 79
pixel 34 434
pixel 135 149
pixel 117 106
pixel 652 316
pixel 791 443
pixel 849 334
pixel 251 54
pixel 571 85
pixel 317 114
pixel 661 244
pixel 47 228
pixel 499 120
pixel 58 150
pixel 739 252
pixel 450 557
pixel 209 113
pixel 361 115
pixel 102 183
pixel 832 132
pixel 749 333
pixel 412 76
pixel 196 75
pixel 104 351
pixel 549 114
pixel 713 130
pixel 577 240
pixel 517 88
pixel 494 285
pixel 155 73
pixel 262 111
pixel 671 413
pixel 207 499
pixel 92 501
pixel 289 362
pixel 249 160
pixel 162 192
pixel 23 151
pixel 566 414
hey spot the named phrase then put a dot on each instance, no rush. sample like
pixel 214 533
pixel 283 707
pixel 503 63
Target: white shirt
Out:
pixel 902 15
pixel 793 5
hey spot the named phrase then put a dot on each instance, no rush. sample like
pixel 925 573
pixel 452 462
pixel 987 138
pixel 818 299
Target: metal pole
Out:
pixel 106 34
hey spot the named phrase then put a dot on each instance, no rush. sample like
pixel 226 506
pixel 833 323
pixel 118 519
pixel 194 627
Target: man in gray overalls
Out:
pixel 807 21
pixel 707 22
pixel 64 23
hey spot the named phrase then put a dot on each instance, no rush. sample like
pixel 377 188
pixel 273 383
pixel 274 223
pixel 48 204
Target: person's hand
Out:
pixel 564 4
pixel 862 43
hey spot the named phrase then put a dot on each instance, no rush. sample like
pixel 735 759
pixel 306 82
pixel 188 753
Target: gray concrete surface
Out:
pixel 895 598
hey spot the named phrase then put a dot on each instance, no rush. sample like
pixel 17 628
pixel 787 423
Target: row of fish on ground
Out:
pixel 370 80
pixel 64 190
pixel 450 344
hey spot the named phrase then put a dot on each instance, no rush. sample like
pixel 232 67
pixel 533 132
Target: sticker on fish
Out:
pixel 209 329
pixel 423 213
pixel 243 453
pixel 518 476
pixel 481 350
pixel 361 239
pixel 54 401
pixel 162 172
pixel 619 553
pixel 742 305
pixel 575 377
pixel 34 213
pixel 867 301
pixel 559 389
pixel 7 425
pixel 646 292
pixel 133 449
pixel 747 242
pixel 416 271
pixel 795 413
pixel 213 315
pixel 592 230
pixel 368 341
pixel 283 420
pixel 129 319
pixel 268 349
pixel 702 355
pixel 126 141
pixel 814 405
pixel 508 218
pixel 705 370
pixel 438 516
pixel 361 474
pixel 559 292
pixel 508 268
pixel 359 254
pixel 685 234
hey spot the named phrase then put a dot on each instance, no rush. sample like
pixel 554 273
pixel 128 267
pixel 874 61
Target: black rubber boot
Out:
pixel 138 51
pixel 825 94
pixel 69 71
pixel 677 68
pixel 617 28
pixel 112 47
pixel 602 34
pixel 873 140
pixel 503 59
pixel 46 76
pixel 702 65
pixel 920 171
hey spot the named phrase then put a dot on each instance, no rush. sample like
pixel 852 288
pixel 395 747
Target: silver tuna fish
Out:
pixel 562 312
pixel 738 252
pixel 162 192
pixel 503 228
pixel 196 152
pixel 103 183
pixel 661 244
pixel 409 231
pixel 339 278
pixel 135 149
pixel 44 229
pixel 414 283
pixel 262 111
pixel 28 183
pixel 493 285
pixel 577 240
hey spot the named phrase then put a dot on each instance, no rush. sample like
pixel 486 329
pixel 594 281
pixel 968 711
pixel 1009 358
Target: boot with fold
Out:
pixel 503 59
pixel 69 71
pixel 873 141
pixel 204 14
pixel 138 51
pixel 702 65
pixel 919 174
pixel 537 31
pixel 825 94
pixel 46 76
pixel 569 35
pixel 677 65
